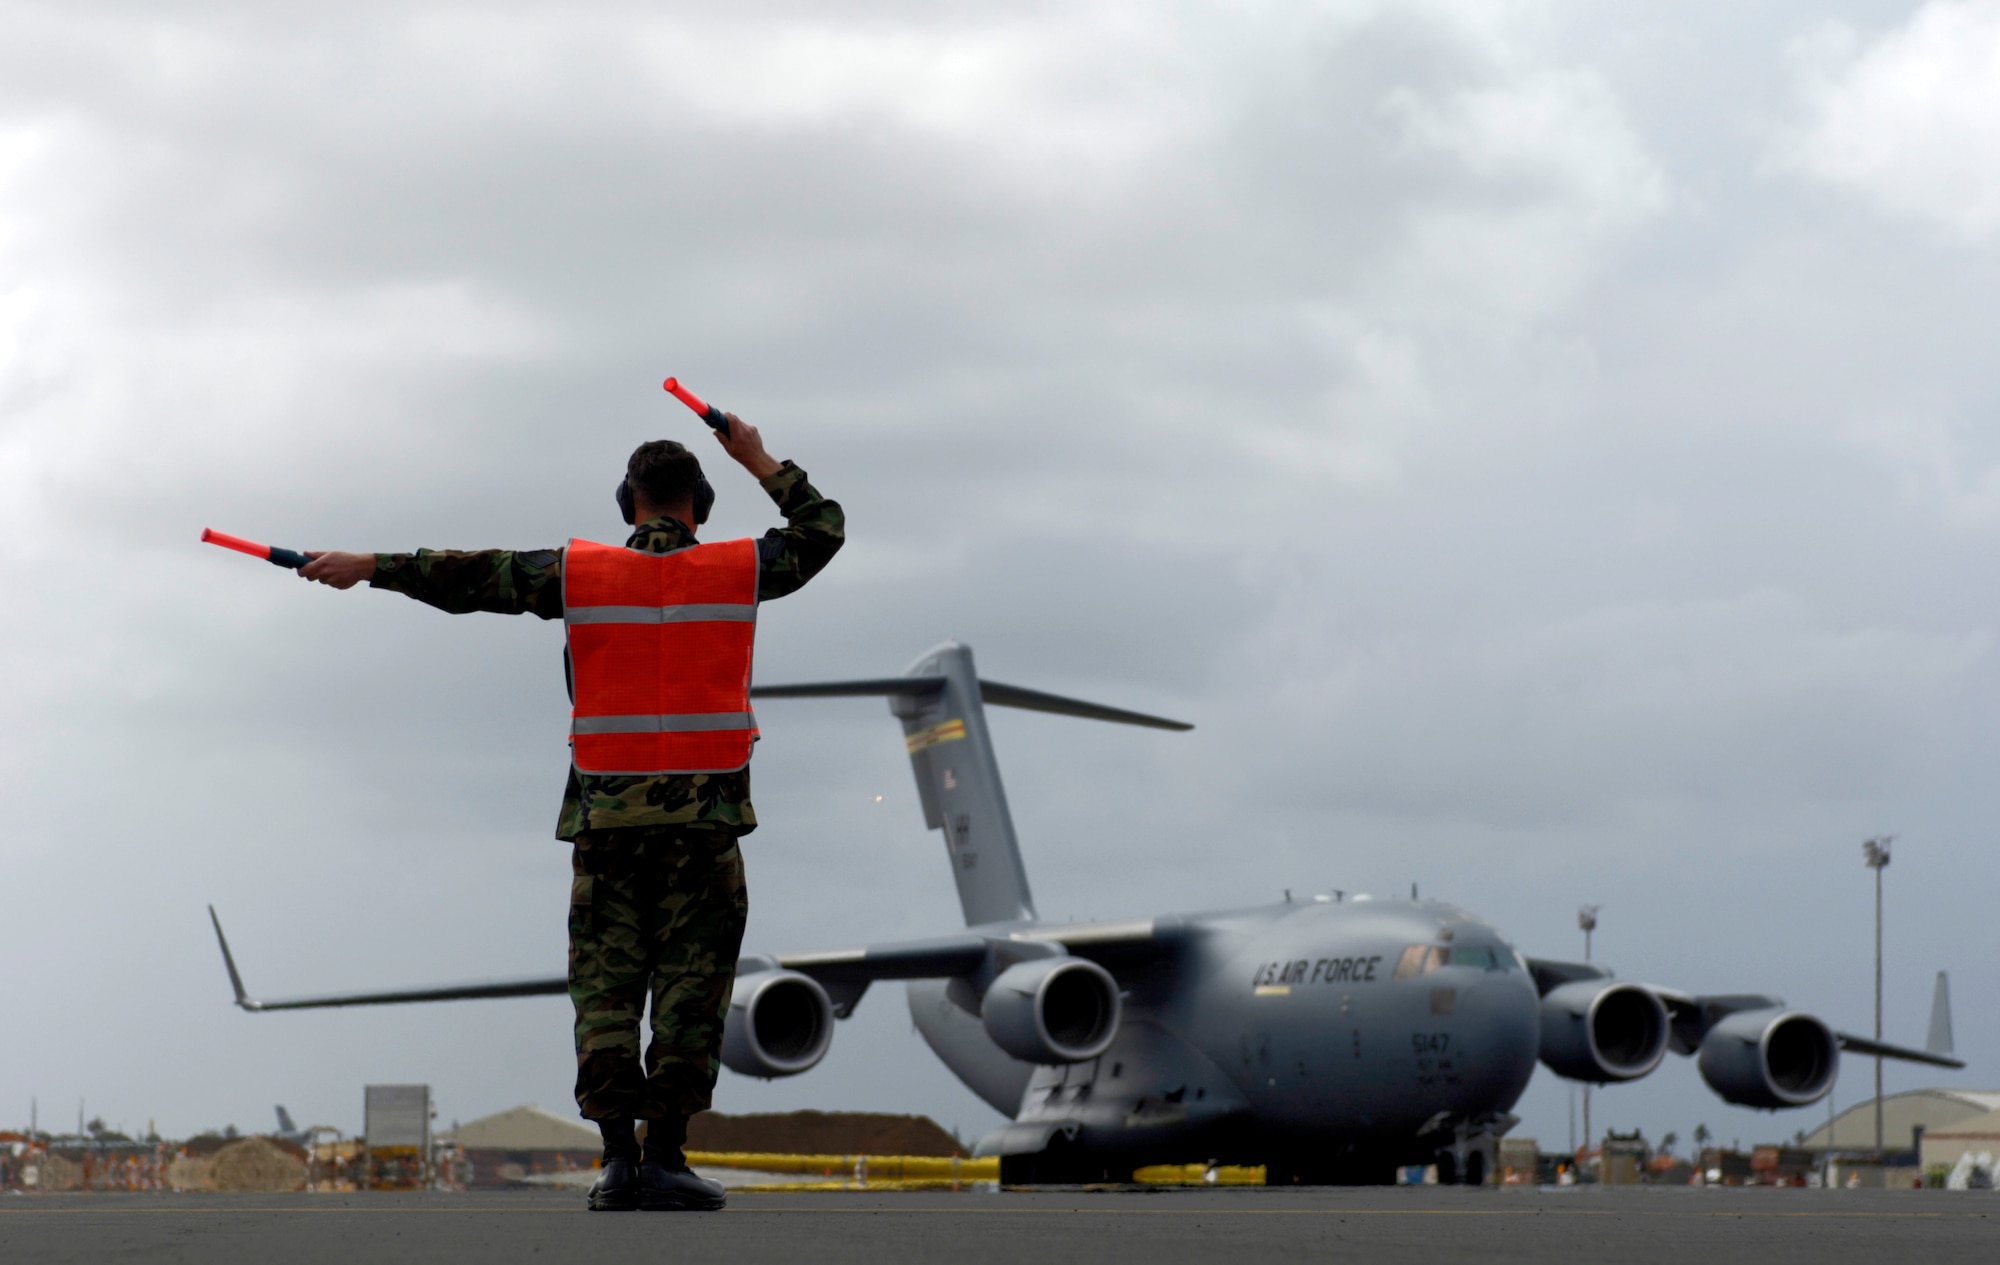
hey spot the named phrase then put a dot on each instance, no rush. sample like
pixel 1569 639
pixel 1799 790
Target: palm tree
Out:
pixel 1701 1137
pixel 1667 1143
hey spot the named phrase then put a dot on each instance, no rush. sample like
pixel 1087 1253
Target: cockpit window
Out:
pixel 1422 959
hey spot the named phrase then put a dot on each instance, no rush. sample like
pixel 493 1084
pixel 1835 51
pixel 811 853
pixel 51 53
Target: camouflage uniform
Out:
pixel 657 901
pixel 659 909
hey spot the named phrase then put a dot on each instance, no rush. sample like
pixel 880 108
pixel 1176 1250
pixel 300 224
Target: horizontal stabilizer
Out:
pixel 1036 701
pixel 885 687
pixel 941 701
pixel 993 692
pixel 1883 1050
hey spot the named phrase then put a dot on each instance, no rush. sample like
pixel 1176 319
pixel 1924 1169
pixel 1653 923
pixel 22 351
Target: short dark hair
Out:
pixel 663 472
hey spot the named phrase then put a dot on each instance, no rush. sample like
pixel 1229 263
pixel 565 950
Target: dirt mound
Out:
pixel 821 1133
pixel 256 1164
pixel 188 1172
pixel 58 1173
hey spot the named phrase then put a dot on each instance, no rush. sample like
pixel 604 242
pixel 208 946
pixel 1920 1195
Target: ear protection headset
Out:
pixel 704 500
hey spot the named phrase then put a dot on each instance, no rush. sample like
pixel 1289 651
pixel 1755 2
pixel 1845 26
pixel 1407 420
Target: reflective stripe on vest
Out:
pixel 659 648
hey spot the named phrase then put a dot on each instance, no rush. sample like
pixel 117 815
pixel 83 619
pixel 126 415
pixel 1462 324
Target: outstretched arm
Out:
pixel 530 583
pixel 337 569
pixel 503 581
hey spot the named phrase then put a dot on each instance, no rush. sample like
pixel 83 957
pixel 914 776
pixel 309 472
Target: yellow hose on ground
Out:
pixel 927 1172
pixel 874 1169
pixel 1198 1175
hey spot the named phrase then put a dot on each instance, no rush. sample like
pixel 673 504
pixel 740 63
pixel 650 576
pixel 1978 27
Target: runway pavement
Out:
pixel 1389 1226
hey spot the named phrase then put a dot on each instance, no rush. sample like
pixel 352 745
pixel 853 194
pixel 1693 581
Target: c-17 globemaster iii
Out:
pixel 1327 1040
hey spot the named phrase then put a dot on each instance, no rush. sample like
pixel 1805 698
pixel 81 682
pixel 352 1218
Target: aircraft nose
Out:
pixel 1499 1035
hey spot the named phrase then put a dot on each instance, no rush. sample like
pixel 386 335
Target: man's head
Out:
pixel 664 478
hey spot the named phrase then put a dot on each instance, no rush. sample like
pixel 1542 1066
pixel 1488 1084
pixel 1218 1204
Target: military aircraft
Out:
pixel 291 1132
pixel 1329 1040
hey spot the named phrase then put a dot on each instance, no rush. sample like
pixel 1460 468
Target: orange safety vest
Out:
pixel 659 651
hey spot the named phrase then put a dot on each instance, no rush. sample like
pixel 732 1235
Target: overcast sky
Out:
pixel 1547 449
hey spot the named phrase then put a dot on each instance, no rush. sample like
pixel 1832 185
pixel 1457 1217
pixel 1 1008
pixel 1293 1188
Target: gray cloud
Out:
pixel 1536 479
pixel 1892 115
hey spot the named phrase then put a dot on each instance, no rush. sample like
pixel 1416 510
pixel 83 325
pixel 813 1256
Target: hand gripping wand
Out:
pixel 709 413
pixel 269 553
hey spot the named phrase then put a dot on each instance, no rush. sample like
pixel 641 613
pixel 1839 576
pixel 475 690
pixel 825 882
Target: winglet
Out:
pixel 1939 1041
pixel 1883 1050
pixel 243 999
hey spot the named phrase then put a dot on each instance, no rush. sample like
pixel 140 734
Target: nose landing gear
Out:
pixel 1468 1154
pixel 1467 1168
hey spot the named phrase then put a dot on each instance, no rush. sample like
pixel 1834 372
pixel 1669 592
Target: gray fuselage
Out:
pixel 1359 1024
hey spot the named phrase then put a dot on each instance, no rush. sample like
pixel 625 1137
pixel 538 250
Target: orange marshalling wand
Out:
pixel 269 553
pixel 709 413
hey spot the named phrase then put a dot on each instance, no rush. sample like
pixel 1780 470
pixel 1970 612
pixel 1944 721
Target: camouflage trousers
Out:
pixel 654 912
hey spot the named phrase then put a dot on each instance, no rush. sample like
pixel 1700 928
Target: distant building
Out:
pixel 1902 1115
pixel 1974 1136
pixel 519 1146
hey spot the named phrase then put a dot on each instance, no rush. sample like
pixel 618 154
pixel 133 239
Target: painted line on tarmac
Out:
pixel 1377 1212
pixel 1035 1212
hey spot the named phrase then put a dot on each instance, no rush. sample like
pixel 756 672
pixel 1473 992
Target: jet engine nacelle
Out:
pixel 780 1024
pixel 1770 1059
pixel 1052 1010
pixel 1598 1031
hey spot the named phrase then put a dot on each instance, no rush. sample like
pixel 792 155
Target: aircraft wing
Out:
pixel 445 992
pixel 1692 1016
pixel 847 973
pixel 910 959
pixel 1880 1049
pixel 970 952
pixel 1550 974
pixel 844 973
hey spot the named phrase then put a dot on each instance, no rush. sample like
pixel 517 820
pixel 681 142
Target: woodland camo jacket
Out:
pixel 529 582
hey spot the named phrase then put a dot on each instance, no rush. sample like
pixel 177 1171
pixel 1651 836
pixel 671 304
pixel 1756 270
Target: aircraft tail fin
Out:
pixel 285 1124
pixel 1939 1040
pixel 942 704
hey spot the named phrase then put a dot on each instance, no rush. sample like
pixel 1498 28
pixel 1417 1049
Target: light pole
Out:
pixel 1875 855
pixel 1586 921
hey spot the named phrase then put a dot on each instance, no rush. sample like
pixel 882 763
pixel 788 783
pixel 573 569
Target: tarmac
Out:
pixel 1048 1227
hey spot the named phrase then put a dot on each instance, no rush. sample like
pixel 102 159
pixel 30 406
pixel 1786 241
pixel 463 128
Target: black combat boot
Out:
pixel 666 1183
pixel 617 1185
